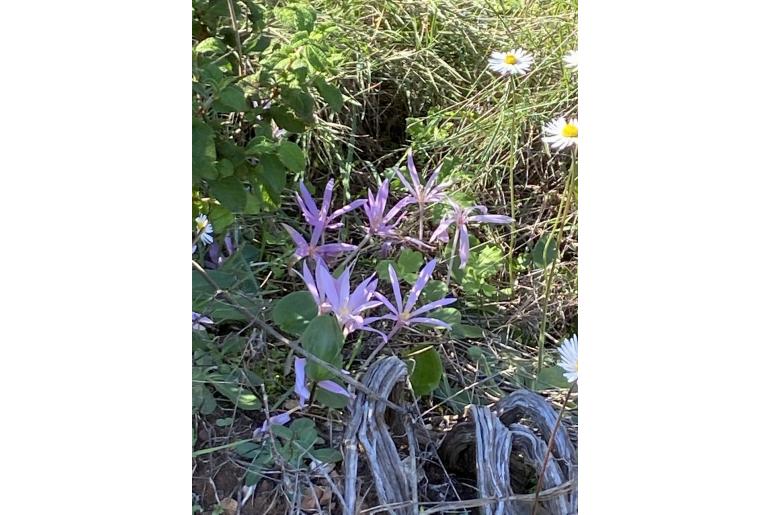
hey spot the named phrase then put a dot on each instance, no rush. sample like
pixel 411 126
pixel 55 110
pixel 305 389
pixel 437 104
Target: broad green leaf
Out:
pixel 551 377
pixel 467 331
pixel 204 153
pixel 231 99
pixel 286 120
pixel 544 252
pixel 300 101
pixel 426 373
pixel 292 156
pixel 220 217
pixel 283 432
pixel 382 269
pixel 238 395
pixel 329 399
pixel 326 455
pixel 225 168
pixel 331 94
pixel 433 291
pixel 271 173
pixel 449 315
pixel 230 193
pixel 202 399
pixel 409 264
pixel 210 46
pixel 294 312
pixel 322 338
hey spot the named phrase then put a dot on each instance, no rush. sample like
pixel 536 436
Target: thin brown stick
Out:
pixel 551 440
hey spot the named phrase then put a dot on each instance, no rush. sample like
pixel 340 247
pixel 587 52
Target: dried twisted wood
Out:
pixel 368 428
pixel 493 451
pixel 500 439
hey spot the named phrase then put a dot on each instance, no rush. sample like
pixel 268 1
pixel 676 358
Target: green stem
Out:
pixel 558 230
pixel 511 178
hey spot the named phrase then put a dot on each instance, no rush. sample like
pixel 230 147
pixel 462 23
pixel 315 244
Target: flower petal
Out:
pixel 422 280
pixel 331 386
pixel 433 305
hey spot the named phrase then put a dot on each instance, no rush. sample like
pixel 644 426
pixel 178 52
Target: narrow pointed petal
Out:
pixel 406 184
pixel 310 283
pixel 422 280
pixel 387 303
pixel 308 200
pixel 491 219
pixel 331 386
pixel 412 170
pixel 327 200
pixel 347 209
pixel 344 286
pixel 433 177
pixel 299 381
pixel 329 286
pixel 433 305
pixel 396 288
pixel 335 249
pixel 430 321
pixel 465 246
pixel 441 231
pixel 401 204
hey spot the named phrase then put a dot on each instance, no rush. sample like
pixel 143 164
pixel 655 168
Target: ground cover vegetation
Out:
pixel 373 179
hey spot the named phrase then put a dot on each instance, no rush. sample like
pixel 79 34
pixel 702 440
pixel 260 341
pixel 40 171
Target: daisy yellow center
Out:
pixel 569 131
pixel 201 225
pixel 510 59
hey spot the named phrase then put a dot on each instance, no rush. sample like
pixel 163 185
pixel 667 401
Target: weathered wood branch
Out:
pixel 368 428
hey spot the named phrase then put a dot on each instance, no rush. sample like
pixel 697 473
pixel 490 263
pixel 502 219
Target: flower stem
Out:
pixel 421 219
pixel 452 256
pixel 558 230
pixel 511 176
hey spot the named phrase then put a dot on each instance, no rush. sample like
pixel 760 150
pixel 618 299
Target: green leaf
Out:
pixel 202 399
pixel 230 193
pixel 283 432
pixel 231 99
pixel 434 291
pixel 551 377
pixel 300 101
pixel 331 94
pixel 409 263
pixel 294 312
pixel 322 338
pixel 210 46
pixel 382 269
pixel 220 217
pixel 467 331
pixel 271 173
pixel 225 168
pixel 204 152
pixel 286 120
pixel 238 395
pixel 292 156
pixel 330 399
pixel 449 315
pixel 326 455
pixel 426 373
pixel 544 252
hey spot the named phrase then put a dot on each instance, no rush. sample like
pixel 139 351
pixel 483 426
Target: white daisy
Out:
pixel 202 223
pixel 515 62
pixel 569 358
pixel 561 133
pixel 571 59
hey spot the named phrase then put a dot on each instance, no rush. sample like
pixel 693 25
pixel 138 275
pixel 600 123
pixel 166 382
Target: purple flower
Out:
pixel 347 307
pixel 375 212
pixel 300 385
pixel 320 217
pixel 215 258
pixel 405 315
pixel 461 217
pixel 280 420
pixel 315 285
pixel 313 249
pixel 199 322
pixel 419 194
